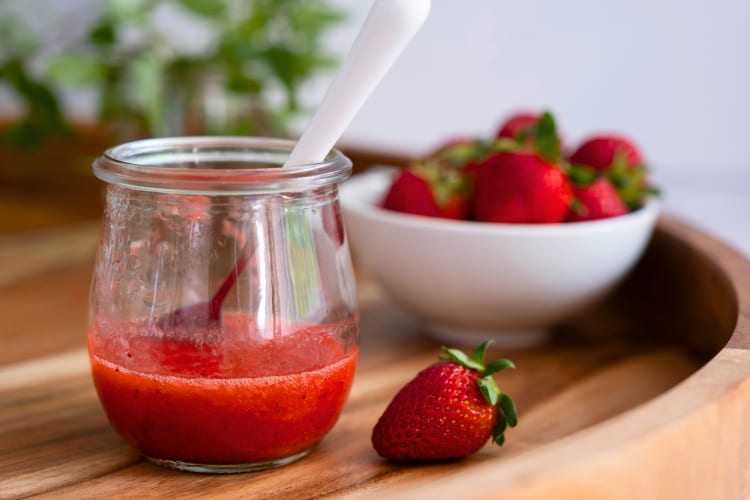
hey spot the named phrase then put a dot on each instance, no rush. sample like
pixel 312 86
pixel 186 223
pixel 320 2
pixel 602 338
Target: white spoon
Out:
pixel 389 26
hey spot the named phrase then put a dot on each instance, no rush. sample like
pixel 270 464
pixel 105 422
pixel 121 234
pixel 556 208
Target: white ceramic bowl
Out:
pixel 471 281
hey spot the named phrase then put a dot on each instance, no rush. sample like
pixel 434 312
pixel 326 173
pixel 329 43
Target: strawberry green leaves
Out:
pixel 476 361
pixel 490 390
pixel 507 417
pixel 462 359
pixel 509 410
pixel 478 354
pixel 525 131
pixel 581 175
pixel 498 365
pixel 546 139
pixel 630 181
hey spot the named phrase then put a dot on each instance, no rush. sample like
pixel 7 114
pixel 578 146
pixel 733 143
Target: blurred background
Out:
pixel 79 75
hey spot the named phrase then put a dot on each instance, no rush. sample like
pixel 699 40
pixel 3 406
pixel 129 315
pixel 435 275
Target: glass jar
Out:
pixel 223 330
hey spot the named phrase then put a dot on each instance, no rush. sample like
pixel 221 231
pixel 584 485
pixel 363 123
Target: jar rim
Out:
pixel 215 165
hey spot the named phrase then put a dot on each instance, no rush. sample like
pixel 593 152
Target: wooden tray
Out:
pixel 645 396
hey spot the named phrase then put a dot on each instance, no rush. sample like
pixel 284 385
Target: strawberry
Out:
pixel 519 187
pixel 621 161
pixel 455 207
pixel 531 132
pixel 598 200
pixel 411 194
pixel 430 191
pixel 519 126
pixel 599 152
pixel 448 411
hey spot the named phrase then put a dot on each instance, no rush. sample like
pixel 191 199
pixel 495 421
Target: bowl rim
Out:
pixel 370 187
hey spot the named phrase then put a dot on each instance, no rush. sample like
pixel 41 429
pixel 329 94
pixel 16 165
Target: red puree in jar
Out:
pixel 229 399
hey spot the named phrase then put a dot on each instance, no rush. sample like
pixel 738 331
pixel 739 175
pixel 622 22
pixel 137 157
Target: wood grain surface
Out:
pixel 638 398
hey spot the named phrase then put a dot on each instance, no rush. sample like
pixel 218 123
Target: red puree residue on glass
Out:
pixel 230 400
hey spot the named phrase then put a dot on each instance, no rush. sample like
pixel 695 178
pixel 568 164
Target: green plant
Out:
pixel 243 76
pixel 42 117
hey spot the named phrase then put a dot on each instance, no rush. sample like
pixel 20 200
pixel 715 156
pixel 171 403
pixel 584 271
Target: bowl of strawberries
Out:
pixel 502 238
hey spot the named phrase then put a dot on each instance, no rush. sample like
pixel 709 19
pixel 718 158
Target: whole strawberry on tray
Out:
pixel 448 411
pixel 522 176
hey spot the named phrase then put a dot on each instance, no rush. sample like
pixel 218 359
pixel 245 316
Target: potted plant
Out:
pixel 157 67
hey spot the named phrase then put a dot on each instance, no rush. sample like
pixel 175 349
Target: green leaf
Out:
pixel 312 17
pixel 489 389
pixel 547 141
pixel 478 354
pixel 18 40
pixel 456 156
pixel 235 51
pixel 499 439
pixel 43 118
pixel 581 175
pixel 240 83
pixel 75 70
pixel 501 424
pixel 630 181
pixel 205 8
pixel 128 11
pixel 284 60
pixel 509 410
pixel 461 358
pixel 262 48
pixel 148 80
pixel 498 432
pixel 39 96
pixel 103 34
pixel 498 365
pixel 252 28
pixel 505 145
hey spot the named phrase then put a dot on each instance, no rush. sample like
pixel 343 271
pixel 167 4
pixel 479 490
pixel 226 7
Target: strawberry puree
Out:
pixel 227 400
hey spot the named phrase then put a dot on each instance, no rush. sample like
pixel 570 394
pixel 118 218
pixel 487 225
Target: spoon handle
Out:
pixel 389 26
